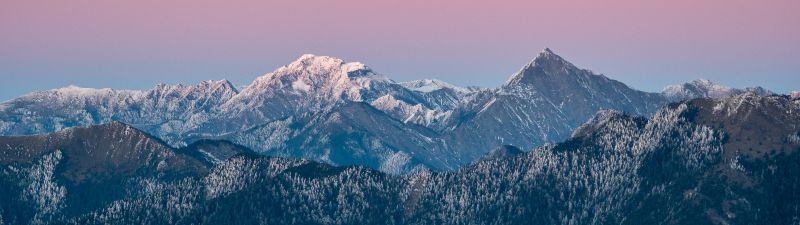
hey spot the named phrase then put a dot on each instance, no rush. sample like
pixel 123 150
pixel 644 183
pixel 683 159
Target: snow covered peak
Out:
pixel 430 85
pixel 708 84
pixel 705 88
pixel 546 64
pixel 546 57
pixel 70 93
pixel 306 56
pixel 316 69
pixel 307 61
pixel 76 90
pixel 546 53
pixel 308 83
pixel 314 60
pixel 697 88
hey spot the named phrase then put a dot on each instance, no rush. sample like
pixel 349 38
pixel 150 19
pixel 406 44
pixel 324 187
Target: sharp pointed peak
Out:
pixel 546 50
pixel 545 61
pixel 548 56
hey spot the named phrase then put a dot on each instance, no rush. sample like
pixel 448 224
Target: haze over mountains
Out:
pixel 324 109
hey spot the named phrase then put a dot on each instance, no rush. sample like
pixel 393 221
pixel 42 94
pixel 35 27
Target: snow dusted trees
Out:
pixel 675 167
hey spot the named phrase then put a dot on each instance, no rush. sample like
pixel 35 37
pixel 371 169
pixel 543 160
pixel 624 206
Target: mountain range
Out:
pixel 731 160
pixel 323 141
pixel 344 113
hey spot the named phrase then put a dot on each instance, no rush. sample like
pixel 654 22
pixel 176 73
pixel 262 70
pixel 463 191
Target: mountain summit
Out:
pixel 703 88
pixel 546 65
pixel 542 103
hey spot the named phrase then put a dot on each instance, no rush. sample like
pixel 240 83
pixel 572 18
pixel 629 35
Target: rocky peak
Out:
pixel 547 56
pixel 315 73
pixel 325 66
pixel 546 65
pixel 703 88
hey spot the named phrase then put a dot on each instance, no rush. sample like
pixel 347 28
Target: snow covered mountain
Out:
pixel 173 112
pixel 353 133
pixel 706 89
pixel 343 113
pixel 310 84
pixel 542 103
pixel 167 111
pixel 704 161
pixel 313 84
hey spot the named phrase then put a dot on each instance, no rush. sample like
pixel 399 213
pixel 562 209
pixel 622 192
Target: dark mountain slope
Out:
pixel 76 170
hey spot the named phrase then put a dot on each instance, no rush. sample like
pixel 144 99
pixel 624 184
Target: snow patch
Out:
pixel 430 85
pixel 299 85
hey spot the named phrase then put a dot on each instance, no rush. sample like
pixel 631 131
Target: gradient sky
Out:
pixel 646 44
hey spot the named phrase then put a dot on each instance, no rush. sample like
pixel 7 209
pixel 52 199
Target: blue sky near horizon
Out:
pixel 645 44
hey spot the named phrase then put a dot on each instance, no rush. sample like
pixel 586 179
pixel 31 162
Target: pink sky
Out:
pixel 647 44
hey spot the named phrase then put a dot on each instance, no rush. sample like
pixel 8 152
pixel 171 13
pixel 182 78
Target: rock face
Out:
pixel 704 161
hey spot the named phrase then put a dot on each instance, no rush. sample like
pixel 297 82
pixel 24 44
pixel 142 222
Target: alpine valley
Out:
pixel 323 141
